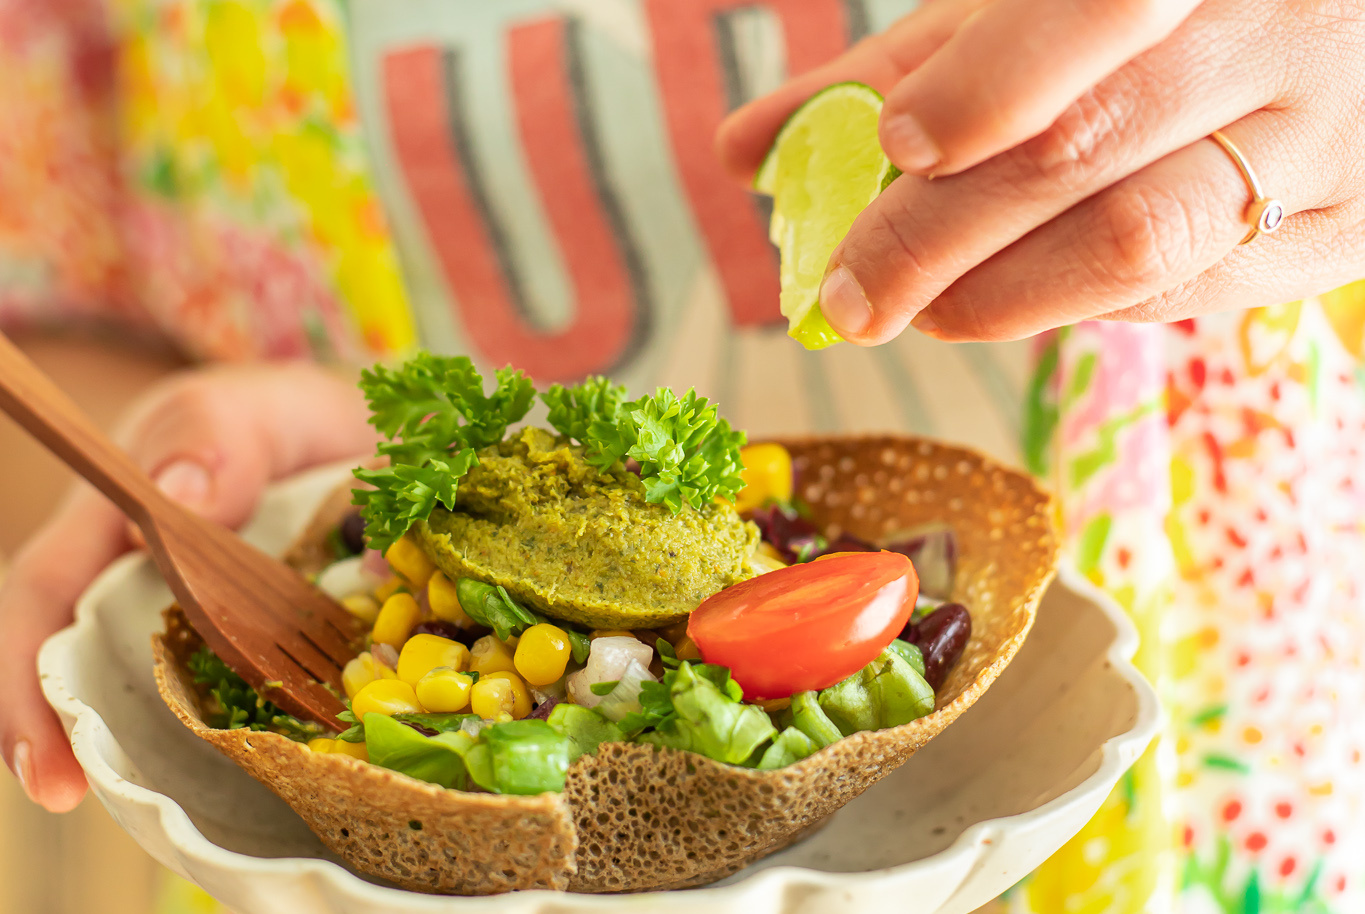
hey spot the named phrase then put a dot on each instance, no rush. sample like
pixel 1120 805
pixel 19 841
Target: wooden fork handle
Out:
pixel 32 400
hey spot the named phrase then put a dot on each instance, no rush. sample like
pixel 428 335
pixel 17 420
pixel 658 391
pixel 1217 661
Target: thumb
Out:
pixel 213 440
pixel 890 265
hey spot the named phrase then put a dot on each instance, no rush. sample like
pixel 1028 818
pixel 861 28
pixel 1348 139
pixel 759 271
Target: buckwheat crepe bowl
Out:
pixel 633 817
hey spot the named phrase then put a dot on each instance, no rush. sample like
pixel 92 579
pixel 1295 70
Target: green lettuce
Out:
pixel 584 728
pixel 436 759
pixel 708 719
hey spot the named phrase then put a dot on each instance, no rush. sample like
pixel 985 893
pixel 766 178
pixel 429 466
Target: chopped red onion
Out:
pixel 385 654
pixel 933 551
pixel 376 563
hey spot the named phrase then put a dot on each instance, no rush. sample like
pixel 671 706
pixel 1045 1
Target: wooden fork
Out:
pixel 283 636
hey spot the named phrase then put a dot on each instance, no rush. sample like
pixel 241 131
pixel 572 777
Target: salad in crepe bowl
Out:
pixel 626 651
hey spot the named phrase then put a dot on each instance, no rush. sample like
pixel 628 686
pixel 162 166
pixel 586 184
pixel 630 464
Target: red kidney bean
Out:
pixel 353 532
pixel 466 636
pixel 941 637
pixel 542 711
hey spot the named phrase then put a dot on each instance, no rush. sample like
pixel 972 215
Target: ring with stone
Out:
pixel 1264 214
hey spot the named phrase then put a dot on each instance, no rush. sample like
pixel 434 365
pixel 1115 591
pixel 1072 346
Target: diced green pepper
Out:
pixel 885 693
pixel 790 746
pixel 807 717
pixel 910 653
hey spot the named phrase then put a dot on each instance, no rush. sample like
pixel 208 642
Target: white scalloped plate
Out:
pixel 970 814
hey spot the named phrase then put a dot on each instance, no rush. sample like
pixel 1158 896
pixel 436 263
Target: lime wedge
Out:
pixel 825 166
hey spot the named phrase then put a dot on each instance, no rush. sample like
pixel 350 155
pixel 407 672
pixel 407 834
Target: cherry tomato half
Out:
pixel 806 626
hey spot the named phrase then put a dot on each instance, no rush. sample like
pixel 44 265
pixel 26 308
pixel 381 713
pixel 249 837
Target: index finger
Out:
pixel 1007 74
pixel 745 137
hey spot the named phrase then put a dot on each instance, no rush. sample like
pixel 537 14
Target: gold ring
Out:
pixel 1264 214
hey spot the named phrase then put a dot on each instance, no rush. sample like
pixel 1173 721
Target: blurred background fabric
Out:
pixel 81 863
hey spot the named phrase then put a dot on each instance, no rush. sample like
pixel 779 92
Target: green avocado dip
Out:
pixel 583 544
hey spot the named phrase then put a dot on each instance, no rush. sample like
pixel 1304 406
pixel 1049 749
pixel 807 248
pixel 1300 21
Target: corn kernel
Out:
pixel 766 558
pixel 767 475
pixel 388 589
pixel 687 649
pixel 387 697
pixel 408 559
pixel 398 617
pixel 444 691
pixel 360 671
pixel 363 606
pixel 424 653
pixel 491 698
pixel 322 744
pixel 489 655
pixel 445 605
pixel 672 633
pixel 522 704
pixel 542 654
pixel 354 750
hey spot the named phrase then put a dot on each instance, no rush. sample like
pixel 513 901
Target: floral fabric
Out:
pixel 1208 473
pixel 195 168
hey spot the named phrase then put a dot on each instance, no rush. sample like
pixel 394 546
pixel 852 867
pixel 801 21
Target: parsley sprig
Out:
pixel 573 409
pixel 238 704
pixel 687 453
pixel 435 413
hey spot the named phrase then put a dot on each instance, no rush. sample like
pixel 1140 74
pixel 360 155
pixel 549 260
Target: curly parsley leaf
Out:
pixel 238 705
pixel 656 707
pixel 573 409
pixel 687 454
pixel 436 415
pixel 404 494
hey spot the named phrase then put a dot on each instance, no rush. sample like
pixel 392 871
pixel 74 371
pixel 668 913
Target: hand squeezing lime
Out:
pixel 824 168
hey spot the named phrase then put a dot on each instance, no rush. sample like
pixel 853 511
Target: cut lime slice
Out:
pixel 825 167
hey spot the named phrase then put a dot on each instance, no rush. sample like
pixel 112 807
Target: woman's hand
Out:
pixel 212 439
pixel 1057 167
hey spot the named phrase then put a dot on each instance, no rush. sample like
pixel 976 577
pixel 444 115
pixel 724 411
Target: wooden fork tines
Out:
pixel 286 638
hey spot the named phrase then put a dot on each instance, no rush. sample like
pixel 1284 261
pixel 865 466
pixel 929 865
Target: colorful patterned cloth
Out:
pixel 532 181
pixel 1207 472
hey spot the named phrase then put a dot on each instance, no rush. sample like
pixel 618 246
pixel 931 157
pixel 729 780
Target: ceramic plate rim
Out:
pixel 88 731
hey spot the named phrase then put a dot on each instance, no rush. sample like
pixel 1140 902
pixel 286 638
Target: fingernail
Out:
pixel 924 322
pixel 186 482
pixel 843 303
pixel 909 146
pixel 21 763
